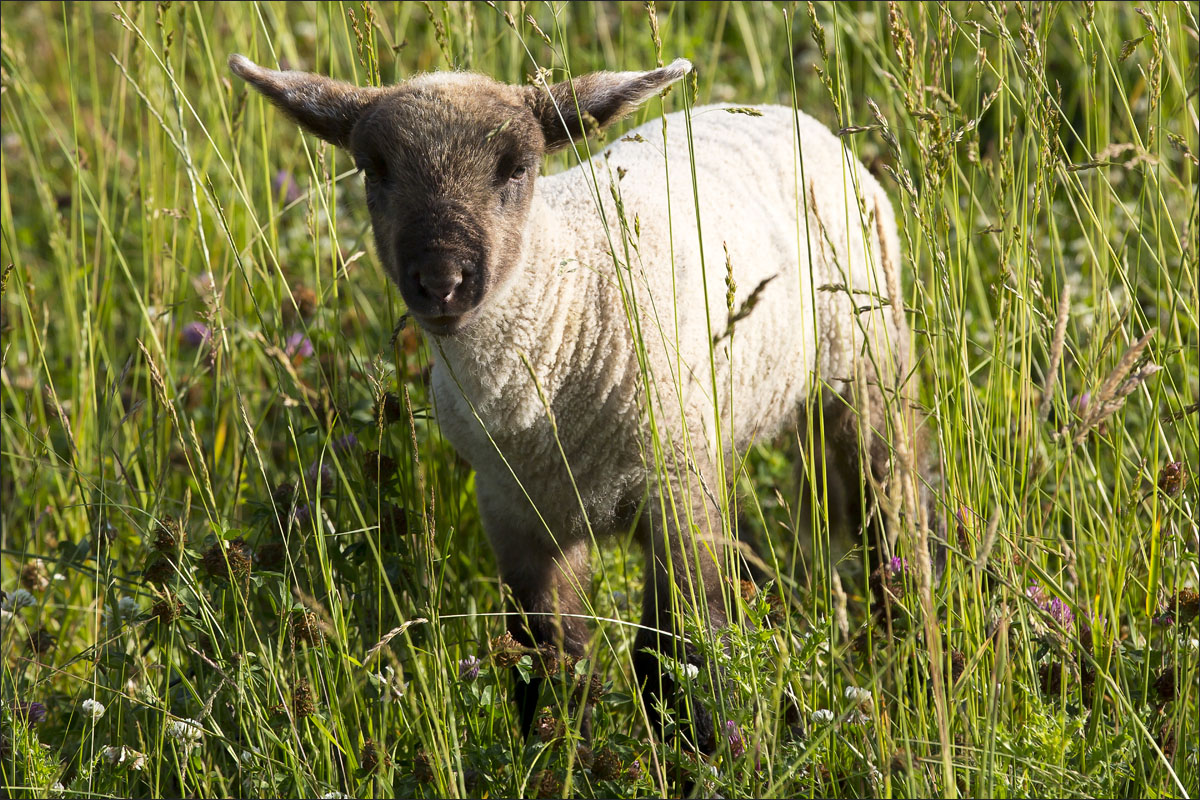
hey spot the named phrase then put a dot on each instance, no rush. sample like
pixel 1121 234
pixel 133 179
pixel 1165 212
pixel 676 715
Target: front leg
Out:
pixel 683 576
pixel 547 579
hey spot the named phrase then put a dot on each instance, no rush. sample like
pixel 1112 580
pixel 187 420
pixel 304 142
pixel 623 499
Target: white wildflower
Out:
pixel 391 688
pixel 115 756
pixel 1193 645
pixel 187 732
pixel 93 708
pixel 855 717
pixel 822 716
pixel 690 671
pixel 334 796
pixel 858 696
pixel 128 607
pixel 21 598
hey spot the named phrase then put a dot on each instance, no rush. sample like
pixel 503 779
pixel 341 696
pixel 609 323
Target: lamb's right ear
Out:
pixel 322 106
pixel 602 96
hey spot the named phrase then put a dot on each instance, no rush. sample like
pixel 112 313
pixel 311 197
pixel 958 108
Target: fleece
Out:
pixel 680 295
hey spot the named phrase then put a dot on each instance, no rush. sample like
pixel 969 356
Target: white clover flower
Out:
pixel 93 708
pixel 391 688
pixel 115 756
pixel 822 716
pixel 856 695
pixel 128 607
pixel 690 671
pixel 875 777
pixel 21 598
pixel 334 796
pixel 855 717
pixel 187 732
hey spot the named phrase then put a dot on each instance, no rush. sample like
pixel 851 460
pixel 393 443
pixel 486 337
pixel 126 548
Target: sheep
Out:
pixel 605 339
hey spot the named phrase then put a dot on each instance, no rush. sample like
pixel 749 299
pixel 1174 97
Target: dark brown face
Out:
pixel 450 159
pixel 449 178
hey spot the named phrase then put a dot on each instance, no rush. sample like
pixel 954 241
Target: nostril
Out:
pixel 441 285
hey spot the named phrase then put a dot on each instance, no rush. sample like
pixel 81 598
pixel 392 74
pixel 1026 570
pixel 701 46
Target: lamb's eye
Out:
pixel 517 174
pixel 371 169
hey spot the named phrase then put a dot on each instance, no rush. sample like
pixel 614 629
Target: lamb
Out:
pixel 591 361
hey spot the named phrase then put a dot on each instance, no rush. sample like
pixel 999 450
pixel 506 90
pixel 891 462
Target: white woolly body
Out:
pixel 552 369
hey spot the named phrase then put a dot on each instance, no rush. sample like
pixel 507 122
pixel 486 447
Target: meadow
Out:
pixel 238 558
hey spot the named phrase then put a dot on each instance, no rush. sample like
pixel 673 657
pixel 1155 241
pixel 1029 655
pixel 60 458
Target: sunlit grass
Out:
pixel 194 324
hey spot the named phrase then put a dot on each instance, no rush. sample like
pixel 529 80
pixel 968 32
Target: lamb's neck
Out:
pixel 539 326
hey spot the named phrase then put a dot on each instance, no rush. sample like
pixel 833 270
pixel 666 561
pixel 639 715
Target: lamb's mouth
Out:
pixel 444 324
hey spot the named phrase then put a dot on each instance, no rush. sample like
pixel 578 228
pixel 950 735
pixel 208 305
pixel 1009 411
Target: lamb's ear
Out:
pixel 322 106
pixel 602 96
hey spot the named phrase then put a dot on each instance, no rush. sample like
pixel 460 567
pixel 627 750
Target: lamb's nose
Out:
pixel 441 284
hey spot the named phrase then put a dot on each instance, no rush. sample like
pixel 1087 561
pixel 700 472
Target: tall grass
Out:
pixel 229 518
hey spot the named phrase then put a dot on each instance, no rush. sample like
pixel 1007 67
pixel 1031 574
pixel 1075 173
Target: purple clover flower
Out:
pixel 285 187
pixel 298 347
pixel 303 514
pixel 195 335
pixel 345 443
pixel 897 565
pixel 319 477
pixel 468 668
pixel 1061 612
pixel 29 712
pixel 737 746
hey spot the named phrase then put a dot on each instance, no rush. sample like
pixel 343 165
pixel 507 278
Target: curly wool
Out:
pixel 605 332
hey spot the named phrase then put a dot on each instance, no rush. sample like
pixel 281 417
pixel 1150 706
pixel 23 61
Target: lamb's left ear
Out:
pixel 603 96
pixel 322 106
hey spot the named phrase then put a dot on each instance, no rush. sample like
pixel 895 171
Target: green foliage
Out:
pixel 193 325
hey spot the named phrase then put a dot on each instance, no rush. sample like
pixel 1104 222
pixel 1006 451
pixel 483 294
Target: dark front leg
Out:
pixel 683 578
pixel 545 603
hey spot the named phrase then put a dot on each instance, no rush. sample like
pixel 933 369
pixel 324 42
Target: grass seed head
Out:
pixel 379 468
pixel 506 651
pixel 547 727
pixel 958 665
pixel 369 758
pixel 169 536
pixel 271 555
pixel 589 690
pixel 1187 601
pixel 167 609
pixel 34 576
pixel 225 562
pixel 1172 478
pixel 422 769
pixel 305 628
pixel 1165 685
pixel 549 784
pixel 304 703
pixel 41 641
pixel 159 571
pixel 389 409
pixel 606 765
